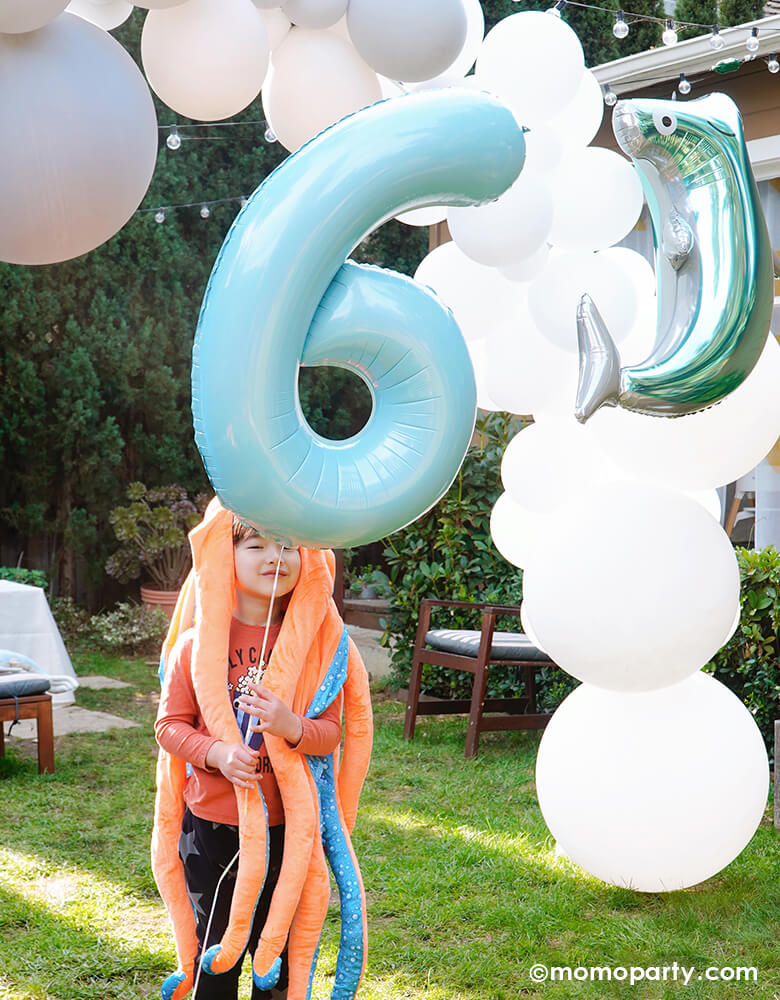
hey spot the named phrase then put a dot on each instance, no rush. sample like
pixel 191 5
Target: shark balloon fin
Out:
pixel 599 383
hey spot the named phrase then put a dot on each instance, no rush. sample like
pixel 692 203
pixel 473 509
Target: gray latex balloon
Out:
pixel 79 138
pixel 408 40
pixel 28 15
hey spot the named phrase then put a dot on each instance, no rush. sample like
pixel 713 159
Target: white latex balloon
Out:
pixel 314 13
pixel 266 4
pixel 709 500
pixel 478 296
pixel 549 464
pixel 527 374
pixel 554 295
pixel 316 79
pixel 407 40
pixel 517 532
pixel 642 628
pixel 528 627
pixel 655 791
pixel 702 450
pixel 579 121
pixel 105 15
pixel 206 59
pixel 79 138
pixel 478 354
pixel 475 32
pixel 533 62
pixel 28 15
pixel 424 216
pixel 598 199
pixel 509 228
pixel 543 151
pixel 276 26
pixel 526 267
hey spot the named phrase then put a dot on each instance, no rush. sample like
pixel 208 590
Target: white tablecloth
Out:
pixel 27 627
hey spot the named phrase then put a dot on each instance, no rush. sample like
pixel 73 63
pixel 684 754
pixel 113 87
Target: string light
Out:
pixel 205 211
pixel 772 64
pixel 669 24
pixel 556 10
pixel 174 139
pixel 684 86
pixel 159 215
pixel 669 36
pixel 716 41
pixel 620 28
pixel 270 135
pixel 243 201
pixel 610 97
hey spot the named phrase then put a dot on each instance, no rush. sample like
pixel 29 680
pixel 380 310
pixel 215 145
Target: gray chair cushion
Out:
pixel 23 687
pixel 506 645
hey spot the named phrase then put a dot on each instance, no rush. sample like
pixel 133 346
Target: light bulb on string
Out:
pixel 716 41
pixel 174 139
pixel 684 86
pixel 205 211
pixel 270 135
pixel 751 43
pixel 669 36
pixel 244 200
pixel 772 64
pixel 556 10
pixel 620 28
pixel 610 97
pixel 159 215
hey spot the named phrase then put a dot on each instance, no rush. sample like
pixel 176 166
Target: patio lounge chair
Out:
pixel 473 652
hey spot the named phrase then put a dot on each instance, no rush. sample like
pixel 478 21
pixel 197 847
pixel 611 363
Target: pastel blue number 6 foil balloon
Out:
pixel 281 295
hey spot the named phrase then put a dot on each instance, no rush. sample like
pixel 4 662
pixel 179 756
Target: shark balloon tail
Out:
pixel 599 383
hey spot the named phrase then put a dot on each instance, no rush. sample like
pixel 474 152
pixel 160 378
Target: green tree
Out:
pixel 733 12
pixel 704 12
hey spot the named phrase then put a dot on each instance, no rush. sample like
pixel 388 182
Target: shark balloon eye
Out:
pixel 665 122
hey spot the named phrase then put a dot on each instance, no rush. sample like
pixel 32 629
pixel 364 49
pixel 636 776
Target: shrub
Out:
pixel 153 530
pixel 130 628
pixel 33 577
pixel 72 621
pixel 749 663
pixel 448 553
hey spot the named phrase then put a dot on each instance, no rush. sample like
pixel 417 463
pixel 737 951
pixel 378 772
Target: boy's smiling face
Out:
pixel 256 559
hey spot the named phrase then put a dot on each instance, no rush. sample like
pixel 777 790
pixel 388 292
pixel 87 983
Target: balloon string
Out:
pixel 245 803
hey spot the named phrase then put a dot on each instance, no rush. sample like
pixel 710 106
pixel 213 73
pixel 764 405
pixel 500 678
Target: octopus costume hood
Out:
pixel 314 659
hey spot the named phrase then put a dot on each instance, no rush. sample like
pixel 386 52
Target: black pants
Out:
pixel 206 849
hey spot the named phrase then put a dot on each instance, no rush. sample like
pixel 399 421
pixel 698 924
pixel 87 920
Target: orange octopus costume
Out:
pixel 314 659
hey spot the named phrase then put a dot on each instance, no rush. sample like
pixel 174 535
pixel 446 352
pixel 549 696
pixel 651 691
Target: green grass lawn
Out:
pixel 464 890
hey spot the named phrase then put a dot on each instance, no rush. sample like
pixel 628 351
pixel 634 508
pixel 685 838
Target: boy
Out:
pixel 264 579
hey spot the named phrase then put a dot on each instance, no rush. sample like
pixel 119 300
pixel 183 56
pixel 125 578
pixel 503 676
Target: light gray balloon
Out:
pixel 405 39
pixel 314 13
pixel 28 15
pixel 79 138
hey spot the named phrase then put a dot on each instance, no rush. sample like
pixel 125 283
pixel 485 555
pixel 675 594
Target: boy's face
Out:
pixel 256 559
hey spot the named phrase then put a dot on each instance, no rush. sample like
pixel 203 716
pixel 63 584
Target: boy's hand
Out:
pixel 236 761
pixel 272 714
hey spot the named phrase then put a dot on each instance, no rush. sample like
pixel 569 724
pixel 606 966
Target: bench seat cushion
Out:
pixel 506 645
pixel 23 685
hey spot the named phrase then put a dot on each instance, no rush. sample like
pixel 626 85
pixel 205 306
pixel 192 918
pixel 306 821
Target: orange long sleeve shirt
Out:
pixel 181 730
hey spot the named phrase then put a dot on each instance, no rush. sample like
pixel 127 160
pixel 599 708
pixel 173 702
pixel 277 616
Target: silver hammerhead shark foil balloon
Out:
pixel 713 263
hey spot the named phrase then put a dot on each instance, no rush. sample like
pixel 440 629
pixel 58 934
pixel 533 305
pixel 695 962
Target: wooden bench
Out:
pixel 38 707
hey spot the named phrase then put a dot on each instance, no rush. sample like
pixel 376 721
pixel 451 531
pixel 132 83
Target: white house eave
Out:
pixel 645 69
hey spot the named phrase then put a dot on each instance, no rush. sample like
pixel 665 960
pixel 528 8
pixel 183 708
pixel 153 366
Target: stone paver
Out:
pixel 71 719
pixel 375 657
pixel 99 683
